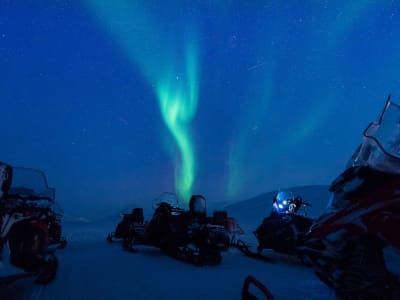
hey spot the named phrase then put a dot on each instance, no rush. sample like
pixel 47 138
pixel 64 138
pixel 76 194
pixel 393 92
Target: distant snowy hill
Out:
pixel 91 268
pixel 260 206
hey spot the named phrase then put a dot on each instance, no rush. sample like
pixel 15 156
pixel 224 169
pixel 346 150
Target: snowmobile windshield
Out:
pixel 374 161
pixel 198 204
pixel 170 199
pixel 380 148
pixel 30 184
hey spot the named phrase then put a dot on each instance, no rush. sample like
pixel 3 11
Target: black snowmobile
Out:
pixel 181 234
pixel 283 230
pixel 24 199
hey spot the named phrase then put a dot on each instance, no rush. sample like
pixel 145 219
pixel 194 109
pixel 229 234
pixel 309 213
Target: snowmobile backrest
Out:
pixel 197 204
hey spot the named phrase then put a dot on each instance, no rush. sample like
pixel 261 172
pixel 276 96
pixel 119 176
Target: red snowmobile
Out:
pixel 355 249
pixel 24 205
pixel 349 248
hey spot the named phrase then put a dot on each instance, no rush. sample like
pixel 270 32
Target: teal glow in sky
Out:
pixel 178 102
pixel 176 83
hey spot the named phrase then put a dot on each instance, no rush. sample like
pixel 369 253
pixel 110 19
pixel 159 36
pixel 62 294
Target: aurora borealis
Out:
pixel 177 94
pixel 119 101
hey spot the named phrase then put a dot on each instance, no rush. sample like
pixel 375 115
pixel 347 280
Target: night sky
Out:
pixel 119 101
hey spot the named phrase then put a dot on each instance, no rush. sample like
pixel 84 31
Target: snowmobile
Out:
pixel 24 229
pixel 133 220
pixel 349 247
pixel 283 230
pixel 181 234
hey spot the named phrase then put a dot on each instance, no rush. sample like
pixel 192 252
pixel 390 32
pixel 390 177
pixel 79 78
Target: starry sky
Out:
pixel 119 101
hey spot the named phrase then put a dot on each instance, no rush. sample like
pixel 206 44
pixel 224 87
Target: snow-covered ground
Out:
pixel 91 268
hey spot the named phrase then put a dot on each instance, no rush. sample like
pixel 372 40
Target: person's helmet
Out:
pixel 197 204
pixel 285 202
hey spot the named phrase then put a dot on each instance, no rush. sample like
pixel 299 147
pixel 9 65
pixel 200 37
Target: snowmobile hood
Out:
pixel 375 162
pixel 357 183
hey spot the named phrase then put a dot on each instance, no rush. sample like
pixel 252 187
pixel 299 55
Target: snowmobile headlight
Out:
pixel 283 202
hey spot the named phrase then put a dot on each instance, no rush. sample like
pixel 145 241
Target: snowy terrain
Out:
pixel 91 268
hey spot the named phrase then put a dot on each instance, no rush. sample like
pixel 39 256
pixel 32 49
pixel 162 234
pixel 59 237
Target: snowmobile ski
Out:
pixel 245 249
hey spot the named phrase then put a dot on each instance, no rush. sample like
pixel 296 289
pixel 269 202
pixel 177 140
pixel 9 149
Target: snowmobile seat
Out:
pixel 220 217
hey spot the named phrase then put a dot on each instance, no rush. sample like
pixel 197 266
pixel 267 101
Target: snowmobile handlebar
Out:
pixel 167 207
pixel 299 202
